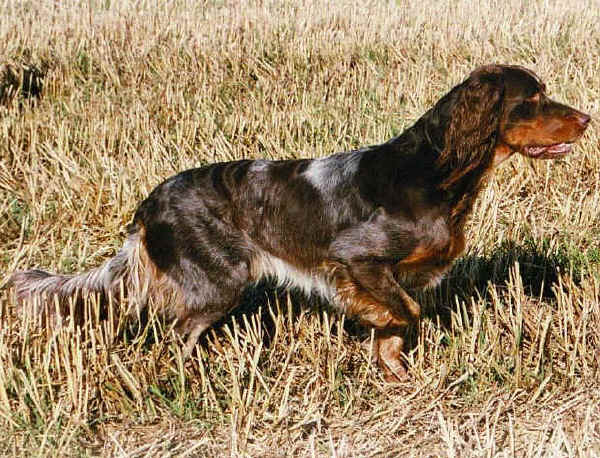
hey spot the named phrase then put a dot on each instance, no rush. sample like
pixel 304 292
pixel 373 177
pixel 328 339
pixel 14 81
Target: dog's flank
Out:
pixel 362 229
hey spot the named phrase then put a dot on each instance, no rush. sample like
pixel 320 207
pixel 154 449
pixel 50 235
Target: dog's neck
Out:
pixel 458 185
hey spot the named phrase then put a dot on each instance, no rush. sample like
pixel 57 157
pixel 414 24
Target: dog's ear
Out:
pixel 472 122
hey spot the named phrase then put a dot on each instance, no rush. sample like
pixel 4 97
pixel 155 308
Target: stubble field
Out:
pixel 507 359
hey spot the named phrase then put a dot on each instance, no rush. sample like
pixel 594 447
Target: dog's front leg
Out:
pixel 369 292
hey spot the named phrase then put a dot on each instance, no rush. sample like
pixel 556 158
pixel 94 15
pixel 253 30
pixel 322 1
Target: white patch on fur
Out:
pixel 259 165
pixel 138 280
pixel 267 265
pixel 329 172
pixel 435 280
pixel 102 277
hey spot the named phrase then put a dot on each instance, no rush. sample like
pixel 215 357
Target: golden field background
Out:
pixel 507 361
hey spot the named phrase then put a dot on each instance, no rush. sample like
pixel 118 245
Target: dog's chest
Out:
pixel 426 265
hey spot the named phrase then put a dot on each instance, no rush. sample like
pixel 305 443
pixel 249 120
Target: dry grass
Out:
pixel 508 357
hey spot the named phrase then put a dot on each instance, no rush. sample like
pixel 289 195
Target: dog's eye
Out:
pixel 524 110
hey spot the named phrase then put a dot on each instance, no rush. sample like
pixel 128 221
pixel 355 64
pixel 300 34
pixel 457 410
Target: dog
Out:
pixel 362 229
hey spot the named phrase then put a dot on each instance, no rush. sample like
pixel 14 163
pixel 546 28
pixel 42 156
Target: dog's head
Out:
pixel 532 123
pixel 499 110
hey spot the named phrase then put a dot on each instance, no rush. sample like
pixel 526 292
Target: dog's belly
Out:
pixel 318 282
pixel 315 281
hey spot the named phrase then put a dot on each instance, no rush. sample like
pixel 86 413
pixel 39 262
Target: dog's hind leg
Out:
pixel 207 264
pixel 207 293
pixel 192 326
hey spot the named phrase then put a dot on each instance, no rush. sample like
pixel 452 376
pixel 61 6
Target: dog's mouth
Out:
pixel 549 151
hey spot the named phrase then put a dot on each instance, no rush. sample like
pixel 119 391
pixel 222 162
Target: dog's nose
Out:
pixel 583 119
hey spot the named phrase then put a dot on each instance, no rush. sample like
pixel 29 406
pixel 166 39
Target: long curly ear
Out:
pixel 473 119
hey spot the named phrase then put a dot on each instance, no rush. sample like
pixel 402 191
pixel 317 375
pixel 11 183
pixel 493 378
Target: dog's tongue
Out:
pixel 548 151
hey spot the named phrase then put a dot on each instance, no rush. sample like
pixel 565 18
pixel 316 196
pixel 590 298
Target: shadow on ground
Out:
pixel 540 267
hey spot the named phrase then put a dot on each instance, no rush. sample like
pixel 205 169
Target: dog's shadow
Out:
pixel 540 266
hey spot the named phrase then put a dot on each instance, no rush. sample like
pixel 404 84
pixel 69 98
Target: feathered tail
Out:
pixel 128 272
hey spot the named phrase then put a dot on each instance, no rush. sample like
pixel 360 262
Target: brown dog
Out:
pixel 361 229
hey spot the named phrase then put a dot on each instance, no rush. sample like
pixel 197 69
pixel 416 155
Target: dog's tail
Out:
pixel 129 272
